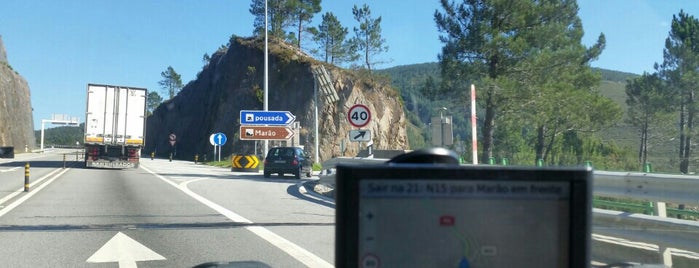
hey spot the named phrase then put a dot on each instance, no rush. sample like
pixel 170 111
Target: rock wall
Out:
pixel 231 82
pixel 16 123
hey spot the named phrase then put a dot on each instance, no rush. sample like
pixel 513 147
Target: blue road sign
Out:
pixel 277 118
pixel 219 139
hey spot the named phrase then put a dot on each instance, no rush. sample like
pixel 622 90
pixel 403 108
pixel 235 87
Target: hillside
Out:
pixel 61 136
pixel 16 120
pixel 232 81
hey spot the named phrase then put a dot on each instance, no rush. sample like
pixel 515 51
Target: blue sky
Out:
pixel 60 46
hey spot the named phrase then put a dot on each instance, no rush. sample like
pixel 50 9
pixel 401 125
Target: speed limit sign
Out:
pixel 359 115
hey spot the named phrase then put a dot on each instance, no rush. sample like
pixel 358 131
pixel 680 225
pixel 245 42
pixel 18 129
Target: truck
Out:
pixel 115 125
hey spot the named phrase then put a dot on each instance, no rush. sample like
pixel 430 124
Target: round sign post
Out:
pixel 173 138
pixel 359 115
pixel 218 140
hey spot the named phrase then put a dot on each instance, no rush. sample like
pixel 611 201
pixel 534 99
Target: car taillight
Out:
pixel 265 162
pixel 295 162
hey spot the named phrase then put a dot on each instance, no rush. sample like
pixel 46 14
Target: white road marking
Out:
pixel 295 251
pixel 20 190
pixel 11 169
pixel 644 246
pixel 31 193
pixel 124 250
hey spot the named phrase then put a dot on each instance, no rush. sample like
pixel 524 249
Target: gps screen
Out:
pixel 474 223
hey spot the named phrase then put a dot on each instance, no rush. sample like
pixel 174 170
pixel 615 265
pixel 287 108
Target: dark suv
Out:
pixel 283 160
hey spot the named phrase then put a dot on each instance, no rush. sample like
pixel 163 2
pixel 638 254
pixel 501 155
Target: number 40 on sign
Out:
pixel 359 115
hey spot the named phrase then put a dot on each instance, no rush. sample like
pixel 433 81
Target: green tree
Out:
pixel 330 36
pixel 368 37
pixel 154 100
pixel 171 83
pixel 206 58
pixel 278 13
pixel 429 88
pixel 646 102
pixel 499 42
pixel 302 12
pixel 680 69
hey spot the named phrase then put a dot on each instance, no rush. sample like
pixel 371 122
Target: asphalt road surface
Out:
pixel 164 214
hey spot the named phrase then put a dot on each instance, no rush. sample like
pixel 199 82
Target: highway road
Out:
pixel 164 214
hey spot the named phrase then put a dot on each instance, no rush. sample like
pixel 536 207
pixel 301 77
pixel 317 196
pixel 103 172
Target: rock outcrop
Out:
pixel 233 81
pixel 16 123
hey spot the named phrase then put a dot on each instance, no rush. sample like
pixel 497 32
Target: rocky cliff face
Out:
pixel 16 123
pixel 232 81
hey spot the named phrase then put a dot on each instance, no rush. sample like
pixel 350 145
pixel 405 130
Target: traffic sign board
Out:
pixel 265 132
pixel 218 139
pixel 358 135
pixel 359 115
pixel 277 118
pixel 173 139
pixel 250 161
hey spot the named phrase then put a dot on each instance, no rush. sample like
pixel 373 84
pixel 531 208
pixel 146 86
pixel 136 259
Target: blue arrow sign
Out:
pixel 277 118
pixel 220 139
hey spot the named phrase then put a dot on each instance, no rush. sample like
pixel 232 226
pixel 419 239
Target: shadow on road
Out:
pixel 145 226
pixel 251 177
pixel 41 164
pixel 293 190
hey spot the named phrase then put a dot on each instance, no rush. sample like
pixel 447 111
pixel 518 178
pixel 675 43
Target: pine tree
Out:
pixel 302 12
pixel 501 42
pixel 368 37
pixel 646 103
pixel 331 37
pixel 680 68
pixel 278 13
pixel 154 100
pixel 171 83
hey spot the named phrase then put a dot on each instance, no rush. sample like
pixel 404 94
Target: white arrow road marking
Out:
pixel 125 251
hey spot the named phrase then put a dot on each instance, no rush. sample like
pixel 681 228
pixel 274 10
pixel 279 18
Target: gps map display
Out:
pixel 463 223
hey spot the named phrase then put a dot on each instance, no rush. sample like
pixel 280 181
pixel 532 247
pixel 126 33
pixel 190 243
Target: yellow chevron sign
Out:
pixel 245 161
pixel 252 161
pixel 236 161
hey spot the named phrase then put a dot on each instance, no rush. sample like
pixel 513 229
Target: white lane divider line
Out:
pixel 295 251
pixel 21 190
pixel 31 193
pixel 11 169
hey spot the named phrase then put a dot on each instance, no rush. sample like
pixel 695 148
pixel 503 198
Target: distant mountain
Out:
pixel 65 136
pixel 615 76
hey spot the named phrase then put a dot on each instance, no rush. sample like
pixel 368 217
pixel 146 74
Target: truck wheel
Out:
pixel 297 173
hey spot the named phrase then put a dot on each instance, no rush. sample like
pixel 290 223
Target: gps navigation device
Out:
pixel 435 215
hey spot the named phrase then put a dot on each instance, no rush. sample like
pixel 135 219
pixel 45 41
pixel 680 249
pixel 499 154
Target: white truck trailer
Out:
pixel 115 126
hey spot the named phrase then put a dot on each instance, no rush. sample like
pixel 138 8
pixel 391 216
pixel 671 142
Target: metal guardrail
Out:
pixel 681 189
pixel 666 233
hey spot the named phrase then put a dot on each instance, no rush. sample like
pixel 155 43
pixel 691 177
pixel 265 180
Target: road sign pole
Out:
pixel 315 100
pixel 474 136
